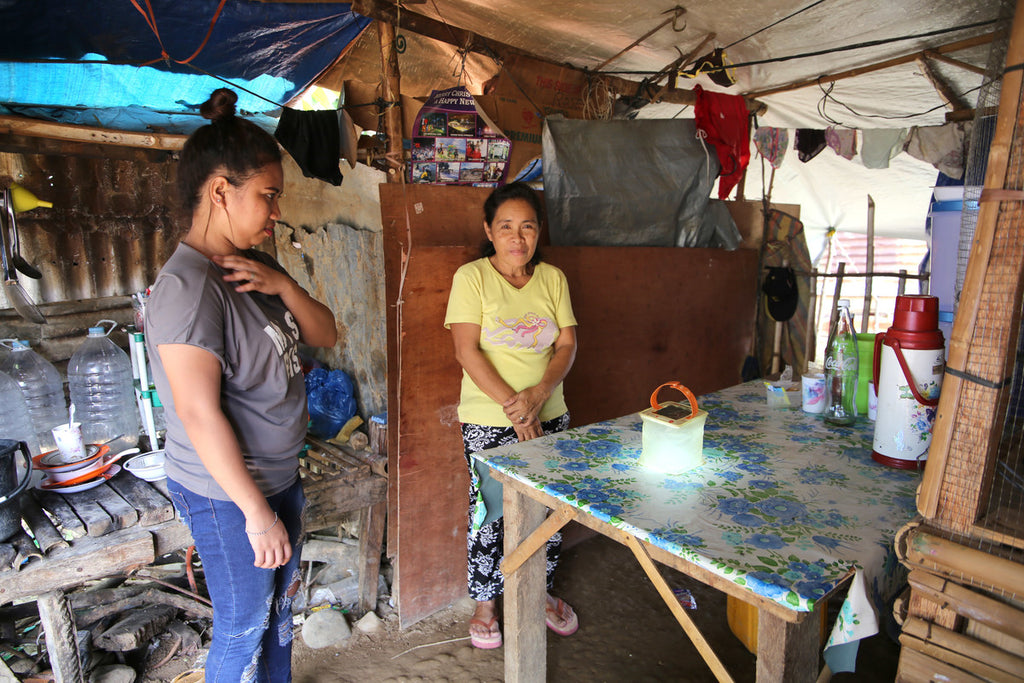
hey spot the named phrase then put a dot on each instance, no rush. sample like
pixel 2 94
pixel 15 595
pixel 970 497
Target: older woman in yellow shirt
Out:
pixel 515 338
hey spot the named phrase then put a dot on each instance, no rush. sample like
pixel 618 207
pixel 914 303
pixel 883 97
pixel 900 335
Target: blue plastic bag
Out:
pixel 331 401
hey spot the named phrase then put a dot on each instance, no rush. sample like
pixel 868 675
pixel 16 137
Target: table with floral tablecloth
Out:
pixel 785 505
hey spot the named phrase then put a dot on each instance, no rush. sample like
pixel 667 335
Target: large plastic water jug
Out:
pixel 673 435
pixel 42 388
pixel 100 383
pixel 15 422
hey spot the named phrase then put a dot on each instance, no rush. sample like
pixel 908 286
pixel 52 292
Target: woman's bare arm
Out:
pixel 195 376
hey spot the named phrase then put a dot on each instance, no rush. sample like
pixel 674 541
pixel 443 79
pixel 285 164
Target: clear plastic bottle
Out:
pixel 841 369
pixel 15 422
pixel 100 383
pixel 42 388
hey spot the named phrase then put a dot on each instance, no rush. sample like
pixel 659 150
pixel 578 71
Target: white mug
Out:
pixel 812 388
pixel 69 441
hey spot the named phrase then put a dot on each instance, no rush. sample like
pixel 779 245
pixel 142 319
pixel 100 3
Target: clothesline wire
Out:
pixel 818 53
pixel 235 85
pixel 827 95
pixel 761 30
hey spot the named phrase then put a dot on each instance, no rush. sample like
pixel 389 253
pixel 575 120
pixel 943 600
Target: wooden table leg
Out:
pixel 371 532
pixel 61 644
pixel 525 594
pixel 787 652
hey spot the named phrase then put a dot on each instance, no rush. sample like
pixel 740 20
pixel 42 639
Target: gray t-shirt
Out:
pixel 255 338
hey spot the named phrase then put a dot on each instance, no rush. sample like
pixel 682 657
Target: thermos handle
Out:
pixel 876 363
pixel 23 447
pixel 679 387
pixel 931 402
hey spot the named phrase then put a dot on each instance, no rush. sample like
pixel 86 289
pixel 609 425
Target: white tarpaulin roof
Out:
pixel 831 191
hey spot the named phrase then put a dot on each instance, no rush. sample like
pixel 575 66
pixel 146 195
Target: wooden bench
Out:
pixel 126 523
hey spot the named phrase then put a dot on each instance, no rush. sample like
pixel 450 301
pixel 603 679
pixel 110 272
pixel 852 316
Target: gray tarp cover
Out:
pixel 630 183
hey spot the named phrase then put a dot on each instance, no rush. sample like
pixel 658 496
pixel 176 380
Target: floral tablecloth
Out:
pixel 785 504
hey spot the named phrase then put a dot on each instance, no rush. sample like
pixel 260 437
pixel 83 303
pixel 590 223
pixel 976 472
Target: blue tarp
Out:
pixel 273 50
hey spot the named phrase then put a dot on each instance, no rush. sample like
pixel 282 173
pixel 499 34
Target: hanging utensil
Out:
pixel 16 294
pixel 20 263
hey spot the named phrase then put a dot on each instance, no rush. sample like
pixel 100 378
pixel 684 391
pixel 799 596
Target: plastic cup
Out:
pixel 813 393
pixel 69 441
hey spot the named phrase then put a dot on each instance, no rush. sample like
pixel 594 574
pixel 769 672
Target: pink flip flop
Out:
pixel 562 626
pixel 491 640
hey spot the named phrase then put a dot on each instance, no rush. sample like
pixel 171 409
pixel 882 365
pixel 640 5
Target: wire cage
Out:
pixel 964 614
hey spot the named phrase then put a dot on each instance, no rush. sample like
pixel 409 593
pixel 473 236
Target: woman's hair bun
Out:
pixel 220 106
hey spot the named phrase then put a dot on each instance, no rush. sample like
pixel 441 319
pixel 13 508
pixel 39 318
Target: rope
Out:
pixel 150 18
pixel 978 380
pixel 702 136
pixel 597 100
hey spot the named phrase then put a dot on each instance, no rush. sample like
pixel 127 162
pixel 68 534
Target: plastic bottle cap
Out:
pixel 844 302
pixel 97 332
pixel 21 344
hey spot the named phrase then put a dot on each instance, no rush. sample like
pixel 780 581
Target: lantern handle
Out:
pixel 682 389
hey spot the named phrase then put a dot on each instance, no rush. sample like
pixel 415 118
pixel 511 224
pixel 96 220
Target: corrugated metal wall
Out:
pixel 114 224
pixel 111 226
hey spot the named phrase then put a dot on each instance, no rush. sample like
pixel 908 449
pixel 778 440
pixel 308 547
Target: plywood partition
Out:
pixel 647 315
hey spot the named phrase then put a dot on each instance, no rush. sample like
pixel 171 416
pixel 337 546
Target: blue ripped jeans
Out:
pixel 252 616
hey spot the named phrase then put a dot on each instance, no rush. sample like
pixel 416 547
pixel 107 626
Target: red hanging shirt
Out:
pixel 726 122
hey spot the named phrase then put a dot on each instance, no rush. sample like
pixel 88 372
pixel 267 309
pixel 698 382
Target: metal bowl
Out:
pixel 148 466
pixel 53 461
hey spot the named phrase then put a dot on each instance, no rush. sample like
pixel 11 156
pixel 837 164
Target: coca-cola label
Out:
pixel 840 364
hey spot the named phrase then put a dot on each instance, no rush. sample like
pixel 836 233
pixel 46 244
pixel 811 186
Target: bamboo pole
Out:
pixel 677 12
pixel 836 295
pixel 390 89
pixel 971 295
pixel 18 125
pixel 902 274
pixel 946 93
pixel 905 59
pixel 939 57
pixel 968 603
pixel 958 642
pixel 865 316
pixel 959 660
pixel 811 351
pixel 922 549
pixel 918 666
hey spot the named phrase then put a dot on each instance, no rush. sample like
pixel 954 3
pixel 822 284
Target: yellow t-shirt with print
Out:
pixel 518 329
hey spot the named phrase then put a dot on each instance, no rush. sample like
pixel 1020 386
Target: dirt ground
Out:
pixel 626 634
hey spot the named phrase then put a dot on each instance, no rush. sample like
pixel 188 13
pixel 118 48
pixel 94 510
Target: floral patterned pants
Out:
pixel 485 546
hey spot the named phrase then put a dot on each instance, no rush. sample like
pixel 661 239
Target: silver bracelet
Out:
pixel 260 533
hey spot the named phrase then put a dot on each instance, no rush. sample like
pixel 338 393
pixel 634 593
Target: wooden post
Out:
pixel 787 651
pixel 865 315
pixel 59 629
pixel 810 343
pixel 371 531
pixel 525 594
pixel 836 295
pixel 390 93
